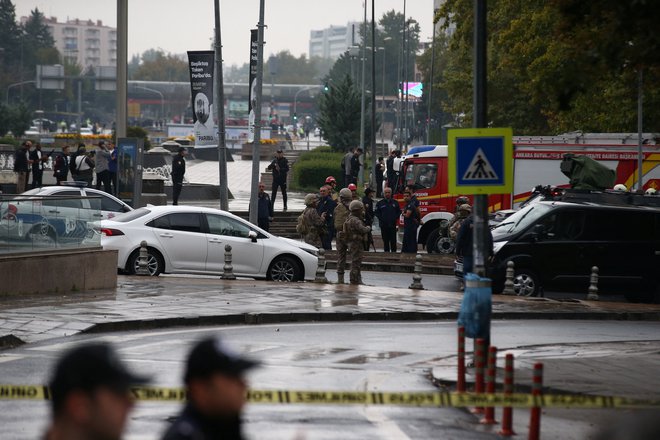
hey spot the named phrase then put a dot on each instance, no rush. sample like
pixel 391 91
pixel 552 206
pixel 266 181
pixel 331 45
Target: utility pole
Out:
pixel 362 101
pixel 373 94
pixel 257 118
pixel 122 73
pixel 219 100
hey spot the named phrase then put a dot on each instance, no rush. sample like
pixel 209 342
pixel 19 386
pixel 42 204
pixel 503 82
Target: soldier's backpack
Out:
pixel 301 226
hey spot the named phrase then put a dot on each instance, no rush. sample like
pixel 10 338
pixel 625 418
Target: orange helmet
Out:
pixel 330 180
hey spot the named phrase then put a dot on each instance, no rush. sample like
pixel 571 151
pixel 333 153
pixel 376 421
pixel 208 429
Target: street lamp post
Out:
pixel 382 106
pixel 14 85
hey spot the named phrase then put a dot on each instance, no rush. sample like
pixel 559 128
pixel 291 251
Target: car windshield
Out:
pixel 520 220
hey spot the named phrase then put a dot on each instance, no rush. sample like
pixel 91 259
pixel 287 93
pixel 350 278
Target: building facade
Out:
pixel 86 42
pixel 333 41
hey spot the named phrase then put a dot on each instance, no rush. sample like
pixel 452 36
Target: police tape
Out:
pixel 418 399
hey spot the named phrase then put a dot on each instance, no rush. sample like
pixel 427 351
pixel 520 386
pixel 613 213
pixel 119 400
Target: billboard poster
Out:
pixel 252 92
pixel 129 170
pixel 201 65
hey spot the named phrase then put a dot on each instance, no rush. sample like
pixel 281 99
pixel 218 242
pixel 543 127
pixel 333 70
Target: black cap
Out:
pixel 211 356
pixel 89 367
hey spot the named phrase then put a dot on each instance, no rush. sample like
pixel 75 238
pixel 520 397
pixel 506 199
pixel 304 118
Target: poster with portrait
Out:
pixel 252 92
pixel 129 170
pixel 201 64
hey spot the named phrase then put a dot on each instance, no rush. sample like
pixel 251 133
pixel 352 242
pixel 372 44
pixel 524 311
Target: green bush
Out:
pixel 9 140
pixel 312 168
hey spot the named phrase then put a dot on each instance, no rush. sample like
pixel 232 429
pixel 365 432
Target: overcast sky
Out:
pixel 177 26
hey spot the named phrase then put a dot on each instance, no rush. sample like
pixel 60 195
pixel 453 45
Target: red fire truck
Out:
pixel 536 162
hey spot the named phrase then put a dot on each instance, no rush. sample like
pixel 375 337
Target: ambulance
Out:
pixel 536 161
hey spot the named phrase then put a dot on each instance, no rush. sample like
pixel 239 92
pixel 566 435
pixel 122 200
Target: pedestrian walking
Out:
pixel 279 167
pixel 216 389
pixel 313 223
pixel 178 171
pixel 61 166
pixel 264 208
pixel 341 214
pixel 355 233
pixel 102 162
pixel 379 171
pixel 388 212
pixel 37 159
pixel 90 394
pixel 411 220
pixel 327 205
pixel 22 164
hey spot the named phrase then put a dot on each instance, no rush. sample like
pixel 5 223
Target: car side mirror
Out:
pixel 253 236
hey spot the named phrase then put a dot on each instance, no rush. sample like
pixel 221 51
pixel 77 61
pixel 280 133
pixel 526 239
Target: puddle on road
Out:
pixel 316 353
pixel 374 357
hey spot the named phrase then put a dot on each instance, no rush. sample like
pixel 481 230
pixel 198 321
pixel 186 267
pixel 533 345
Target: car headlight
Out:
pixel 314 252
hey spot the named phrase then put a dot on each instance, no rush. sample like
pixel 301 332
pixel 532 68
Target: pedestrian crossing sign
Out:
pixel 480 161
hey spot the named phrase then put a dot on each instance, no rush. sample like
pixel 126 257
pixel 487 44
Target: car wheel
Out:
pixel 155 264
pixel 526 283
pixel 284 269
pixel 42 235
pixel 436 243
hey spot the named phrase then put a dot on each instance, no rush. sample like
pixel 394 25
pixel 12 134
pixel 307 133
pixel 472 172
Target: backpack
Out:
pixel 301 226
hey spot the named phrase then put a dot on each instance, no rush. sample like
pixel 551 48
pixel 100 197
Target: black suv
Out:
pixel 557 243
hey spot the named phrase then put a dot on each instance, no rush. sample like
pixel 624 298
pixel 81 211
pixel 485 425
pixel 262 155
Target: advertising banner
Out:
pixel 201 65
pixel 252 93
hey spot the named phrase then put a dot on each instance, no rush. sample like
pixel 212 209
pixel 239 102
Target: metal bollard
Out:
pixel 507 411
pixel 489 414
pixel 479 371
pixel 143 260
pixel 508 283
pixel 417 274
pixel 535 412
pixel 320 269
pixel 228 273
pixel 460 382
pixel 592 295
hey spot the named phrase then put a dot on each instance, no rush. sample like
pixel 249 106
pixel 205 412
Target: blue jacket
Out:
pixel 388 212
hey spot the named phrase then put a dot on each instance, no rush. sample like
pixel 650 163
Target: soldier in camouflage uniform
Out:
pixel 463 212
pixel 341 214
pixel 356 232
pixel 313 222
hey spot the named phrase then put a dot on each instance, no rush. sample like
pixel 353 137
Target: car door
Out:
pixel 106 207
pixel 182 239
pixel 65 211
pixel 247 256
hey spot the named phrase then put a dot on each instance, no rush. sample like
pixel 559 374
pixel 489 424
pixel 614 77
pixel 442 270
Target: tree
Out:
pixel 158 66
pixel 340 114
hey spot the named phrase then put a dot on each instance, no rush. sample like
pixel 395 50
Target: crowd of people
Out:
pixel 87 164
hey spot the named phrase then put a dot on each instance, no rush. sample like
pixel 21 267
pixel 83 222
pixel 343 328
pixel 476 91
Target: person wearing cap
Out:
pixel 355 233
pixel 279 166
pixel 90 394
pixel 216 389
pixel 178 171
pixel 314 223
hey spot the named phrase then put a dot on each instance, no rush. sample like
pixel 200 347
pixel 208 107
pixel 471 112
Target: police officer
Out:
pixel 341 214
pixel 313 222
pixel 264 208
pixel 91 395
pixel 216 390
pixel 178 171
pixel 356 232
pixel 388 212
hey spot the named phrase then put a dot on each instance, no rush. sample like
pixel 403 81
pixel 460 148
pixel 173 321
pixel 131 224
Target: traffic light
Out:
pixel 295 117
pixel 326 89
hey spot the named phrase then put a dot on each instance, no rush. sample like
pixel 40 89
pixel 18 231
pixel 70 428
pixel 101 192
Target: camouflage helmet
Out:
pixel 345 193
pixel 465 207
pixel 356 205
pixel 462 200
pixel 310 199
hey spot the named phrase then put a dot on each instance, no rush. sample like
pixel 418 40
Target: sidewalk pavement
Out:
pixel 140 303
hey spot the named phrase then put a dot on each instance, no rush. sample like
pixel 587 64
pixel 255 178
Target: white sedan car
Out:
pixel 190 239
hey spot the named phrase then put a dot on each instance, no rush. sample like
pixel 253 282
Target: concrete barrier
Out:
pixel 60 271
